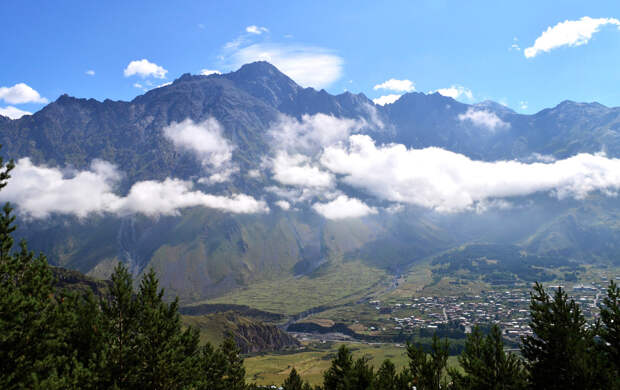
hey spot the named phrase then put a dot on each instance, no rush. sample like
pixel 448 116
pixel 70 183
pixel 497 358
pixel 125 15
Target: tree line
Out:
pixel 133 339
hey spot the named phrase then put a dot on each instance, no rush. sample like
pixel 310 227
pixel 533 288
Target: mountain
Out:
pixel 202 253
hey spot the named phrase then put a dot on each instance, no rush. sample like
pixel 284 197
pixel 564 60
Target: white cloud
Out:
pixel 446 181
pixel 163 85
pixel 298 170
pixel 207 72
pixel 138 85
pixel 284 205
pixel 568 33
pixel 154 198
pixel 40 191
pixel 308 66
pixel 256 29
pixel 204 139
pixel 144 68
pixel 254 173
pixel 396 85
pixel 455 92
pixel 21 93
pixel 523 105
pixel 386 99
pixel 313 132
pixel 90 72
pixel 483 118
pixel 13 112
pixel 343 207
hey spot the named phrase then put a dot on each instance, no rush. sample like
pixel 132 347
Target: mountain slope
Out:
pixel 203 253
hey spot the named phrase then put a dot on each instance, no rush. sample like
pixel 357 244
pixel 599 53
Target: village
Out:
pixel 508 308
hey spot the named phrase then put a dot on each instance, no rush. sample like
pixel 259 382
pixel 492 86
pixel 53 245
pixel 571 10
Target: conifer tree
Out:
pixel 121 329
pixel 487 366
pixel 428 370
pixel 166 352
pixel 234 373
pixel 560 353
pixel 386 376
pixel 610 331
pixel 338 376
pixel 293 381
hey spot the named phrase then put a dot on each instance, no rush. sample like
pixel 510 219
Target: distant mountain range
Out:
pixel 201 252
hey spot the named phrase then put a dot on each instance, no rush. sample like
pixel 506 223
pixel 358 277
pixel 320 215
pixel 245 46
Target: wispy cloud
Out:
pixel 568 33
pixel 90 72
pixel 207 72
pixel 396 85
pixel 309 66
pixel 456 92
pixel 256 29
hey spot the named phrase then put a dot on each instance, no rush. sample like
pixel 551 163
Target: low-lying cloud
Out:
pixel 205 140
pixel 445 181
pixel 344 207
pixel 483 118
pixel 40 191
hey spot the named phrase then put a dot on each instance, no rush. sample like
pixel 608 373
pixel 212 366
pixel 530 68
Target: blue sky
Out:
pixel 355 46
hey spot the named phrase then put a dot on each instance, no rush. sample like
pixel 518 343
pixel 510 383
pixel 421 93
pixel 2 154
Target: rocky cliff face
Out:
pixel 250 335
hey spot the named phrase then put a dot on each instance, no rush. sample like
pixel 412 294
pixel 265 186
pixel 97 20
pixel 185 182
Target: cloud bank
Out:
pixel 568 33
pixel 448 182
pixel 41 191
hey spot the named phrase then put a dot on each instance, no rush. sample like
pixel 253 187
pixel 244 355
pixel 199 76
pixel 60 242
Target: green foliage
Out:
pixel 487 366
pixel 561 353
pixel 610 331
pixel 428 370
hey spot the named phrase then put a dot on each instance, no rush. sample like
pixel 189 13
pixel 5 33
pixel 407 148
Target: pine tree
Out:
pixel 362 375
pixel 561 353
pixel 121 329
pixel 211 369
pixel 428 370
pixel 338 375
pixel 234 374
pixel 610 331
pixel 293 381
pixel 166 352
pixel 386 378
pixel 487 366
